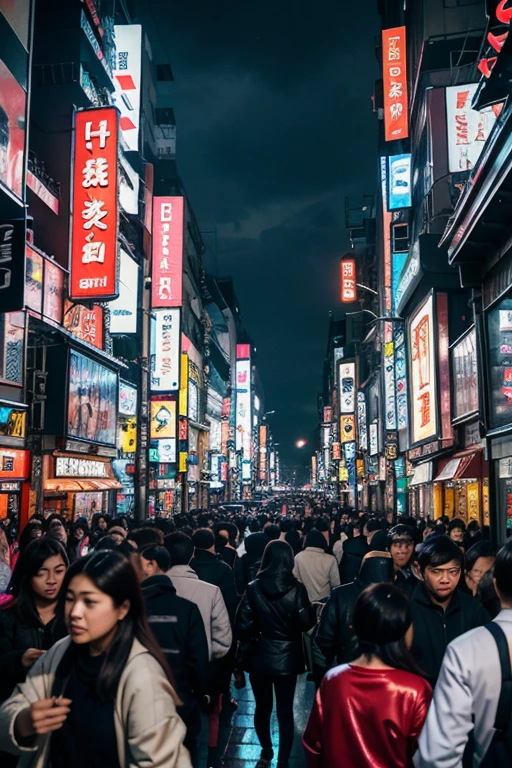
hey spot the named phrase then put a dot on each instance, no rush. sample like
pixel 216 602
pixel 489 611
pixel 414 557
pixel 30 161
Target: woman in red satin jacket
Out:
pixel 369 714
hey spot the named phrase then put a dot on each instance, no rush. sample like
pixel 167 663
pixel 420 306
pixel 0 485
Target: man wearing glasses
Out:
pixel 440 611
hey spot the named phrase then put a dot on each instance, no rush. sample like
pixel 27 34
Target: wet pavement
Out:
pixel 238 741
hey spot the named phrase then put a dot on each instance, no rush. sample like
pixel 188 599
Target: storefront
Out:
pixel 14 472
pixel 124 465
pixel 421 491
pixel 78 486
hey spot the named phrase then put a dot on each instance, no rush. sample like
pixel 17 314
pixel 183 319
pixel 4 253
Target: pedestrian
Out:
pixel 179 630
pixel 354 549
pixel 334 636
pixel 371 712
pixel 29 624
pixel 78 546
pixel 469 690
pixel 32 530
pixel 270 620
pixel 400 542
pixel 457 530
pixel 247 566
pixel 103 696
pixel 440 611
pixel 226 542
pixel 56 529
pixel 315 568
pixel 210 568
pixel 479 560
pixel 5 562
pixel 100 526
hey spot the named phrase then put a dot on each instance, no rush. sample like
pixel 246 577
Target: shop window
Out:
pixel 499 326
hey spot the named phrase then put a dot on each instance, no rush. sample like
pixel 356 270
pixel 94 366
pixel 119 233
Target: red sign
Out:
pixel 167 269
pixel 94 231
pixel 348 281
pixel 14 465
pixel 394 67
pixel 85 324
pixel 243 351
pixel 183 430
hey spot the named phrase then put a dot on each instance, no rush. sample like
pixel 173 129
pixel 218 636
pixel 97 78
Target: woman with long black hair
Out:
pixel 371 711
pixel 108 681
pixel 29 624
pixel 271 618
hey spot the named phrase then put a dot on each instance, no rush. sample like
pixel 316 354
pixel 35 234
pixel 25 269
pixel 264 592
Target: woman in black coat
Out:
pixel 272 616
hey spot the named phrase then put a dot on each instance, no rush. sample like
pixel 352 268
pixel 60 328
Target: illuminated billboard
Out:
pixel 167 269
pixel 394 68
pixel 126 77
pixel 165 350
pixel 243 408
pixel 423 384
pixel 468 129
pixel 399 193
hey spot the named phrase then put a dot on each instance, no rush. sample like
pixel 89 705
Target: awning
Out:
pixel 465 467
pixel 73 485
pixel 422 474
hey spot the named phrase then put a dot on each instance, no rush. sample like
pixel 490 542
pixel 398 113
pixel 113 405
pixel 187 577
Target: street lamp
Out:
pixel 301 443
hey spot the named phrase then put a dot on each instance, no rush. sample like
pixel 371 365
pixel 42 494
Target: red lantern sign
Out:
pixel 348 281
pixel 394 67
pixel 94 232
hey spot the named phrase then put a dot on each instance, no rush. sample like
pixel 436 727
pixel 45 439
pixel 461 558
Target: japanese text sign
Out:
pixel 94 230
pixel 423 373
pixel 468 129
pixel 348 280
pixel 167 271
pixel 394 67
pixel 165 350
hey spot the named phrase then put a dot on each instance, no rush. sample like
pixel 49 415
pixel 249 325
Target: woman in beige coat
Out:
pixel 103 696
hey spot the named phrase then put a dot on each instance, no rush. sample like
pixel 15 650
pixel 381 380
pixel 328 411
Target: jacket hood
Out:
pixel 157 585
pixel 376 569
pixel 274 585
pixel 421 596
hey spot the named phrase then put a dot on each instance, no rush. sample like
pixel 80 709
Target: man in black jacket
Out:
pixel 178 627
pixel 354 550
pixel 440 611
pixel 209 567
pixel 334 639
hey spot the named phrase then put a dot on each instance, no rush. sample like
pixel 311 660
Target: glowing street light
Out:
pixel 301 443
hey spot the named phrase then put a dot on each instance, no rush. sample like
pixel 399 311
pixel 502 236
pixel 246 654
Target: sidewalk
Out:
pixel 243 749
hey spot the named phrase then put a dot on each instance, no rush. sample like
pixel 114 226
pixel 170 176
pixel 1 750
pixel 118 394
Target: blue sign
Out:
pixel 398 262
pixel 399 182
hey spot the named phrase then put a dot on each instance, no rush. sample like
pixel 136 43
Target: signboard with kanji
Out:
pixel 394 68
pixel 348 281
pixel 167 267
pixel 93 273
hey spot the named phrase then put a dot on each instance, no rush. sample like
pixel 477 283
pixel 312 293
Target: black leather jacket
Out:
pixel 270 621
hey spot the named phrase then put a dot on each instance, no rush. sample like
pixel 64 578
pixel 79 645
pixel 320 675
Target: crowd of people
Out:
pixel 136 632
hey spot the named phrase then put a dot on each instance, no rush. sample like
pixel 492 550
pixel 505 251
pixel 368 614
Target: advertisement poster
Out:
pixel 12 334
pixel 85 324
pixel 33 279
pixel 123 310
pixel 53 296
pixel 167 264
pixel 95 199
pixel 468 129
pixel 394 69
pixel 165 350
pixel 374 439
pixel 163 419
pixel 399 195
pixel 347 428
pixel 423 385
pixel 348 280
pixel 127 399
pixel 500 359
pixel 243 407
pixel 126 76
pixel 398 264
pixel 92 400
pixel 13 102
pixel 402 418
pixel 465 375
pixel 13 422
pixel 347 387
pixel 389 385
pixel 362 427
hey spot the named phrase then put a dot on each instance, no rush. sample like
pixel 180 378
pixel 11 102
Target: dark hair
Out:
pixel 145 537
pixel 27 566
pixel 277 565
pixel 440 528
pixel 321 525
pixel 27 534
pixel 230 528
pixel 316 539
pixel 373 525
pixel 473 525
pixel 271 532
pixel 400 532
pixel 203 538
pixel 480 549
pixel 114 575
pixel 285 525
pixel 106 542
pixel 159 554
pixel 456 523
pixel 503 570
pixel 180 548
pixel 439 550
pixel 382 616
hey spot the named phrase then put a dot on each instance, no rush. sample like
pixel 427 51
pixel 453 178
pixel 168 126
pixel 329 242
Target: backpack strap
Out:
pixel 504 711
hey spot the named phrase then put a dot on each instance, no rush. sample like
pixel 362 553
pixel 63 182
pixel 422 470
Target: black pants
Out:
pixel 284 687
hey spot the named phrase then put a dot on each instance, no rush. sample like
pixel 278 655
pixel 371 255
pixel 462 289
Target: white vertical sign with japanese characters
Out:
pixel 93 273
pixel 165 350
pixel 127 81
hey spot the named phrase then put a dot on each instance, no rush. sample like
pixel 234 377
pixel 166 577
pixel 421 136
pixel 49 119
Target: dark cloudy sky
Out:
pixel 275 128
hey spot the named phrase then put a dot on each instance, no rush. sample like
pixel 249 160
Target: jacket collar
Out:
pixel 205 556
pixel 182 571
pixel 315 549
pixel 160 582
pixel 422 597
